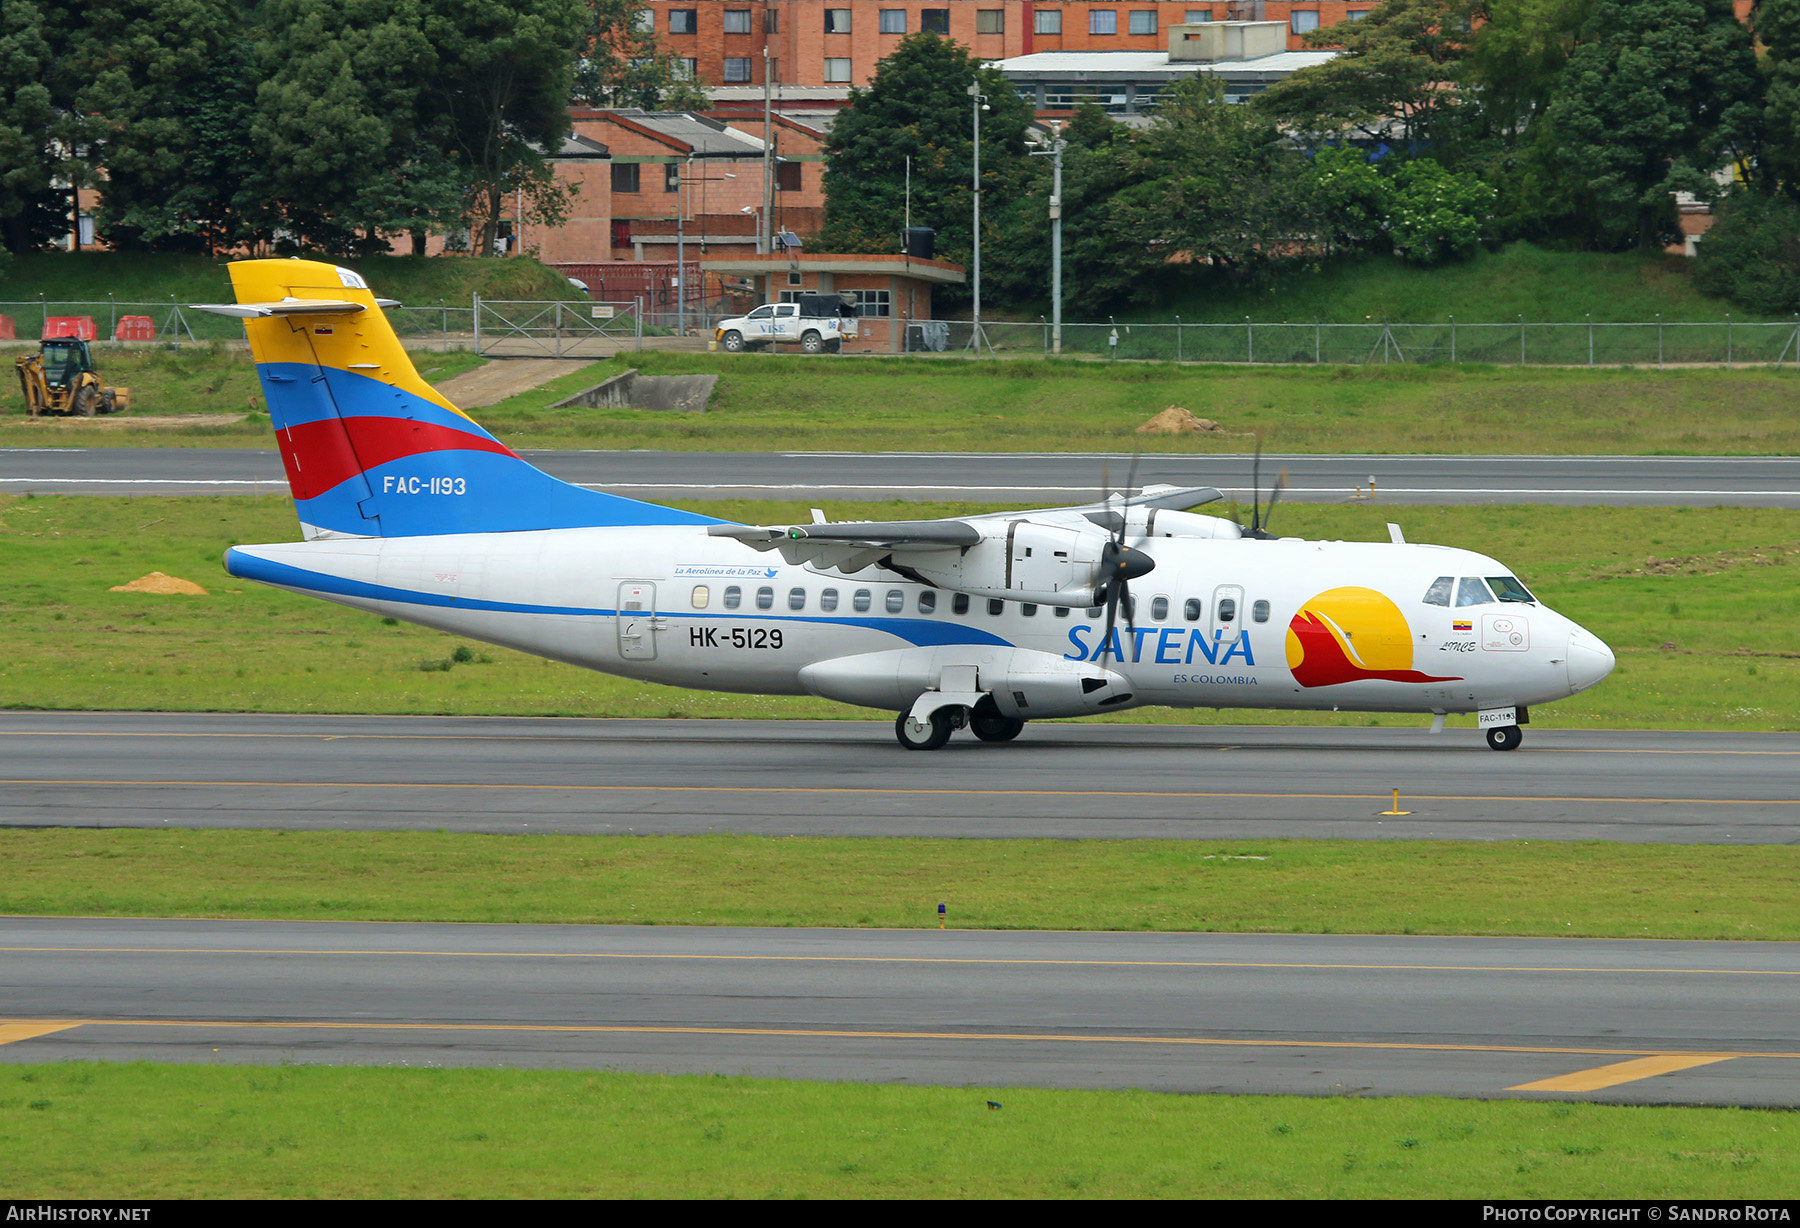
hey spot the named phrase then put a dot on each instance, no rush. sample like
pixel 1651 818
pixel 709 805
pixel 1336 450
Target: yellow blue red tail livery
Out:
pixel 371 449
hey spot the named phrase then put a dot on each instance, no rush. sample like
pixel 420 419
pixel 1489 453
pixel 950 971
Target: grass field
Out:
pixel 163 1131
pixel 1515 889
pixel 775 403
pixel 1516 280
pixel 90 277
pixel 1699 605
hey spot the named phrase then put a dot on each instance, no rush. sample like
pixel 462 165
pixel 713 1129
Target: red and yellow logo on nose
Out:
pixel 1349 635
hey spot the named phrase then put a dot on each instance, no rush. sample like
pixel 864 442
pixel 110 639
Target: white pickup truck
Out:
pixel 818 324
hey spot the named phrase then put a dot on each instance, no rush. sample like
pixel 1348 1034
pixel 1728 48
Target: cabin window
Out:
pixel 1260 611
pixel 928 601
pixel 1095 611
pixel 1061 611
pixel 828 600
pixel 1439 592
pixel 701 596
pixel 959 604
pixel 896 601
pixel 765 598
pixel 861 600
pixel 1129 605
pixel 796 599
pixel 1227 609
pixel 1028 610
pixel 1159 608
pixel 1190 609
pixel 1507 588
pixel 1472 590
pixel 995 605
pixel 734 597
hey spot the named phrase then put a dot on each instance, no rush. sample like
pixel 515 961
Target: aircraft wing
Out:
pixel 852 545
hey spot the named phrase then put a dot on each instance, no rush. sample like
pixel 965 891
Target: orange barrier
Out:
pixel 6 329
pixel 135 328
pixel 81 327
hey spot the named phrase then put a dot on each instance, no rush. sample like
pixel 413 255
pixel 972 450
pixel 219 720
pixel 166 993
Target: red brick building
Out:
pixel 737 43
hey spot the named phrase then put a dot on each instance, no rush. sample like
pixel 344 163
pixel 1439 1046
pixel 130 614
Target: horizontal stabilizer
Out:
pixel 289 307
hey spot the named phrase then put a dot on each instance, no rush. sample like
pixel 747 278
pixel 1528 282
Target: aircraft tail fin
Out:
pixel 371 449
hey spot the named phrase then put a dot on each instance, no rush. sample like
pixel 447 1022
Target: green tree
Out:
pixel 504 75
pixel 1435 215
pixel 1752 253
pixel 27 119
pixel 132 77
pixel 1229 193
pixel 1393 77
pixel 1347 199
pixel 624 64
pixel 1106 258
pixel 918 106
pixel 351 141
pixel 1777 26
pixel 1657 96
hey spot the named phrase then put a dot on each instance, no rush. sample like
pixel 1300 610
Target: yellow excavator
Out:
pixel 60 379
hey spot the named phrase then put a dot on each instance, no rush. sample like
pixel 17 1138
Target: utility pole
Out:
pixel 765 230
pixel 681 182
pixel 1055 154
pixel 977 104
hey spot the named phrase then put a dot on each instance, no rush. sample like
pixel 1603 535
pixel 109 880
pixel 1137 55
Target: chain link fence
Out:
pixel 1521 343
pixel 584 328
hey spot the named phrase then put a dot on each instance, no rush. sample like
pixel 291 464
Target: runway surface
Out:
pixel 847 778
pixel 1052 478
pixel 1632 1022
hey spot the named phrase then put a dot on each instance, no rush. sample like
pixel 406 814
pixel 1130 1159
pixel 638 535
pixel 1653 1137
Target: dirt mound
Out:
pixel 156 582
pixel 1177 421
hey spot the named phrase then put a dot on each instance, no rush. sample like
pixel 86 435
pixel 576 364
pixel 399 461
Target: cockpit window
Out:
pixel 1507 588
pixel 1472 590
pixel 1439 592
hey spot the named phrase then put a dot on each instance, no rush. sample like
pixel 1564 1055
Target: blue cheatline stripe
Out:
pixel 354 395
pixel 489 492
pixel 917 631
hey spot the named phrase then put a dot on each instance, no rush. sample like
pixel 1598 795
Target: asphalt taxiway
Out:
pixel 1632 1022
pixel 1051 478
pixel 850 778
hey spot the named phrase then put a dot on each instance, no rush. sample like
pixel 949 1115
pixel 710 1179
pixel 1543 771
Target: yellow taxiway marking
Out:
pixel 1181 795
pixel 334 1025
pixel 9 1032
pixel 894 959
pixel 569 737
pixel 1624 1072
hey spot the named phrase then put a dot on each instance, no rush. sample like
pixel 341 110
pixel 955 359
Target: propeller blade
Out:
pixel 1275 497
pixel 1256 488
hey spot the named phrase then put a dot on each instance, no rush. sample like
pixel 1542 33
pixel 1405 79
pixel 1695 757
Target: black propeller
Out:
pixel 1119 566
pixel 1259 519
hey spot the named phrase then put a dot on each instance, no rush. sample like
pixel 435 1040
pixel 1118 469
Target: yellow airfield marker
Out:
pixel 1622 1072
pixel 10 1032
pixel 1396 809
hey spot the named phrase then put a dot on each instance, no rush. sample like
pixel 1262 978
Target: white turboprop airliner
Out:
pixel 410 509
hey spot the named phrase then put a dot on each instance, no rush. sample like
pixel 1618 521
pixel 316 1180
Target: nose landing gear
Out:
pixel 1504 737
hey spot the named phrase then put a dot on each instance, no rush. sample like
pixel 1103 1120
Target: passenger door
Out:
pixel 637 620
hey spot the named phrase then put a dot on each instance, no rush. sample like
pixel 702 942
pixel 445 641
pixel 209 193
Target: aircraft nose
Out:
pixel 1590 660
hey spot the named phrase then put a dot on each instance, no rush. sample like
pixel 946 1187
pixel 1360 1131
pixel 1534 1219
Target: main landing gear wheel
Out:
pixel 937 730
pixel 996 728
pixel 1505 737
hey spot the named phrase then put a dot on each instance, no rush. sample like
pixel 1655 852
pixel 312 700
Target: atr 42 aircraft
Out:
pixel 410 509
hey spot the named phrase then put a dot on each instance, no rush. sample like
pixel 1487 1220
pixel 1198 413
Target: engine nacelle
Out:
pixel 1043 563
pixel 1158 523
pixel 1023 682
